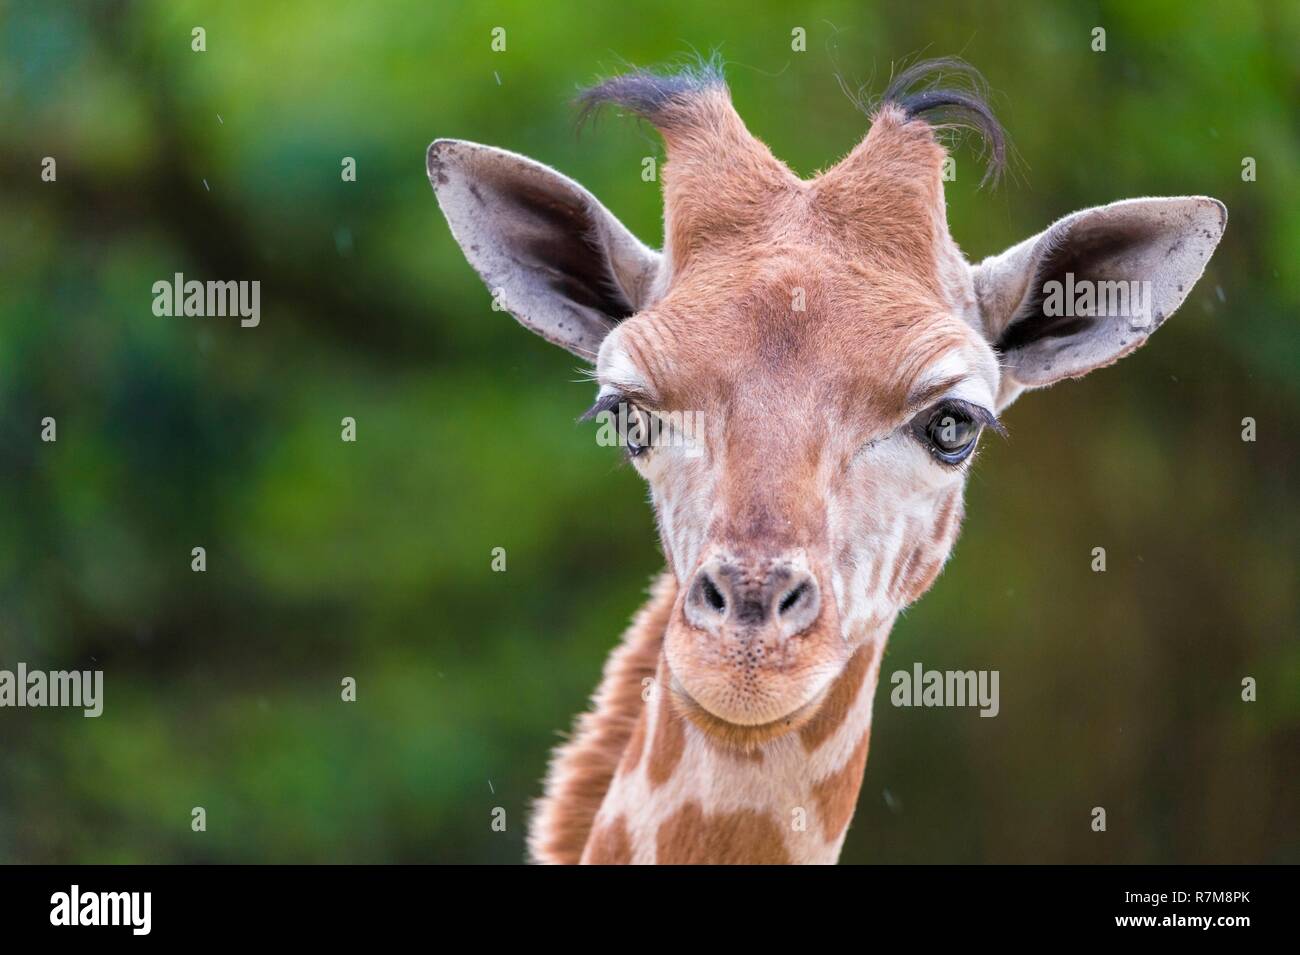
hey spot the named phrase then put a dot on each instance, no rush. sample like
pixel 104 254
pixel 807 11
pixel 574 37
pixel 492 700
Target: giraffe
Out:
pixel 845 358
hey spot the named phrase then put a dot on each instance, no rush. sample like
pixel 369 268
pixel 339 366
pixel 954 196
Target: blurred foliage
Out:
pixel 371 559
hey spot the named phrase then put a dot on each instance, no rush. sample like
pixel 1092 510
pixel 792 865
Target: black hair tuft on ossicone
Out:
pixel 921 92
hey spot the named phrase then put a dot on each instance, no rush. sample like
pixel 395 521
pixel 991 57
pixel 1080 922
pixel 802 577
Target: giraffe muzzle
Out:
pixel 736 596
pixel 754 642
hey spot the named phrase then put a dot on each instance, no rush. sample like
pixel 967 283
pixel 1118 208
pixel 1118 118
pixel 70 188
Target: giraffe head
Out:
pixel 804 373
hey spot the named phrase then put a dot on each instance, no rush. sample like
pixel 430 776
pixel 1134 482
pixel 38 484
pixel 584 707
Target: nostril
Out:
pixel 712 595
pixel 792 599
pixel 746 598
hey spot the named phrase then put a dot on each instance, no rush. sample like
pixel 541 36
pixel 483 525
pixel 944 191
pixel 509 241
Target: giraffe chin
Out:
pixel 744 737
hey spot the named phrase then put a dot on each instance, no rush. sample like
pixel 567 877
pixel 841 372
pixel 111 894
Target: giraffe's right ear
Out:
pixel 1093 286
pixel 550 253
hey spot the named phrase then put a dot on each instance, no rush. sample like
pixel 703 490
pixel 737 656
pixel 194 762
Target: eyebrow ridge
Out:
pixel 918 399
pixel 615 398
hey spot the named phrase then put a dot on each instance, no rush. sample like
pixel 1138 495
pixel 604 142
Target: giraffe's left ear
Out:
pixel 551 254
pixel 1093 286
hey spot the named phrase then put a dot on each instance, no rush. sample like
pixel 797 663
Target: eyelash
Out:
pixel 611 403
pixel 920 427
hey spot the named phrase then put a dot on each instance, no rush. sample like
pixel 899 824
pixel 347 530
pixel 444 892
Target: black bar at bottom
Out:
pixel 332 905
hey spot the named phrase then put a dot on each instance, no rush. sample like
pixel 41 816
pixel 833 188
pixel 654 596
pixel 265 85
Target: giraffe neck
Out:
pixel 678 795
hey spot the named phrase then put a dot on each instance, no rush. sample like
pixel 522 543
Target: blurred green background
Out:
pixel 372 559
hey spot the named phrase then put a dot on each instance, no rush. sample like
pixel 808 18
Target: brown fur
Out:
pixel 610 845
pixel 720 183
pixel 692 837
pixel 582 768
pixel 741 741
pixel 868 245
pixel 670 737
pixel 837 795
pixel 877 218
pixel 632 756
pixel 839 701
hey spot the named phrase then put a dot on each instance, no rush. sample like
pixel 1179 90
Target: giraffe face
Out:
pixel 805 428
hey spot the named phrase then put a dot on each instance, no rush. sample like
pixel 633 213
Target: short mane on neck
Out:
pixel 639 782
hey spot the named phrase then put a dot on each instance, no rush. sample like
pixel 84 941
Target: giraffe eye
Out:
pixel 950 431
pixel 636 430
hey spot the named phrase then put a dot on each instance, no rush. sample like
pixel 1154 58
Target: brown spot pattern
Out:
pixel 837 794
pixel 729 206
pixel 944 521
pixel 877 565
pixel 839 701
pixel 632 755
pixel 908 554
pixel 610 845
pixel 582 769
pixel 920 583
pixel 927 560
pixel 692 837
pixel 670 735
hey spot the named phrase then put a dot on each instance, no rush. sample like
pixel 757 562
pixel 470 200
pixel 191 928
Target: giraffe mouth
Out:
pixel 744 736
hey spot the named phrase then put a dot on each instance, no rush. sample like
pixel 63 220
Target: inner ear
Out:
pixel 556 234
pixel 549 252
pixel 1093 286
pixel 1093 253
